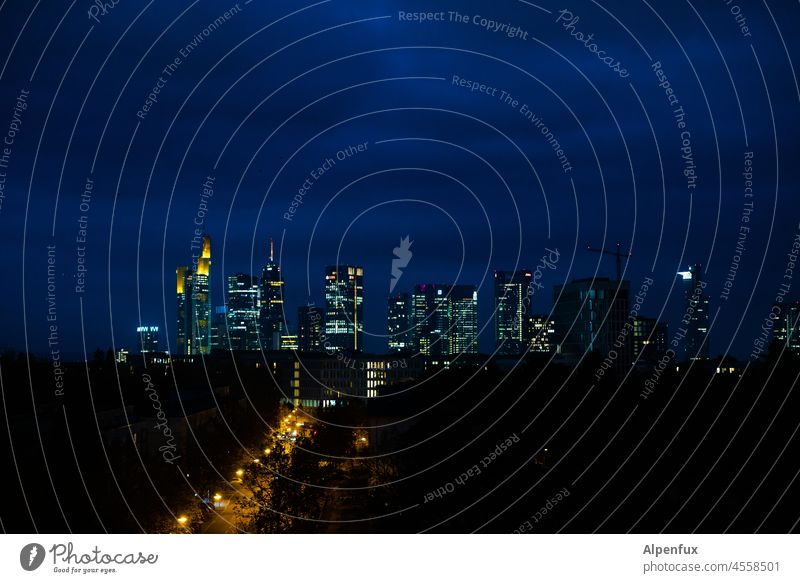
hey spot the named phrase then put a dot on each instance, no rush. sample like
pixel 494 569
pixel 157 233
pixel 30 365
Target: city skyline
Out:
pixel 587 315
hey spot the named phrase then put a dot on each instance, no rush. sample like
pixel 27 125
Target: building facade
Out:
pixel 344 308
pixel 512 330
pixel 243 312
pixel 444 319
pixel 399 323
pixel 310 328
pixel 589 315
pixel 194 303
pixel 271 309
pixel 542 333
pixel 147 337
pixel 695 320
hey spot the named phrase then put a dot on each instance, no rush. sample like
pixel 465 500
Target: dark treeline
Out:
pixel 539 448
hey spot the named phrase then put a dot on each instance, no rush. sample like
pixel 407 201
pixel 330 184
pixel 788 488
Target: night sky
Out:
pixel 260 103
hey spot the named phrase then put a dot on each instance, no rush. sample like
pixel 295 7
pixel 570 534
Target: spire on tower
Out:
pixel 271 250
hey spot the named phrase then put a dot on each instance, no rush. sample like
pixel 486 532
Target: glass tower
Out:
pixel 243 312
pixel 309 328
pixel 399 323
pixel 511 322
pixel 344 309
pixel 695 319
pixel 271 311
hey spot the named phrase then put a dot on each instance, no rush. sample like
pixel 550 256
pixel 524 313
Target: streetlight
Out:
pixel 217 497
pixel 267 451
pixel 239 473
pixel 182 520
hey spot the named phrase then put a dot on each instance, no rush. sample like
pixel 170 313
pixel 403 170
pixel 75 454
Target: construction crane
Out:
pixel 616 253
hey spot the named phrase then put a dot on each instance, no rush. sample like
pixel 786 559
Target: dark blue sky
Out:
pixel 263 100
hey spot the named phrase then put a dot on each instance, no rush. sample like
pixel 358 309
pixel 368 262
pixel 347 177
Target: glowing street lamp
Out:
pixel 182 520
pixel 240 473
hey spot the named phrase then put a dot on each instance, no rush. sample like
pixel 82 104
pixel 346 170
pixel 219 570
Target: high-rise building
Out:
pixel 219 329
pixel 787 328
pixel 271 311
pixel 289 342
pixel 243 312
pixel 650 339
pixel 429 323
pixel 194 304
pixel 147 338
pixel 463 316
pixel 696 317
pixel 201 301
pixel 589 315
pixel 444 319
pixel 344 307
pixel 184 304
pixel 399 323
pixel 512 332
pixel 310 325
pixel 542 332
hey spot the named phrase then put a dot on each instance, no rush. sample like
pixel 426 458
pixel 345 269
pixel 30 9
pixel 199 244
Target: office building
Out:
pixel 429 323
pixel 650 339
pixel 184 305
pixel 289 342
pixel 344 309
pixel 463 318
pixel 589 315
pixel 194 303
pixel 695 320
pixel 512 331
pixel 201 301
pixel 219 329
pixel 147 338
pixel 444 319
pixel 310 328
pixel 399 323
pixel 542 333
pixel 787 328
pixel 271 310
pixel 243 312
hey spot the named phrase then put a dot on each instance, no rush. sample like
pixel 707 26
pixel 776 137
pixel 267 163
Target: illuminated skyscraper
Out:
pixel 463 319
pixel 344 309
pixel 201 302
pixel 542 333
pixel 399 323
pixel 444 319
pixel 184 304
pixel 429 324
pixel 243 312
pixel 309 328
pixel 194 304
pixel 271 311
pixel 696 317
pixel 787 328
pixel 512 331
pixel 147 337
